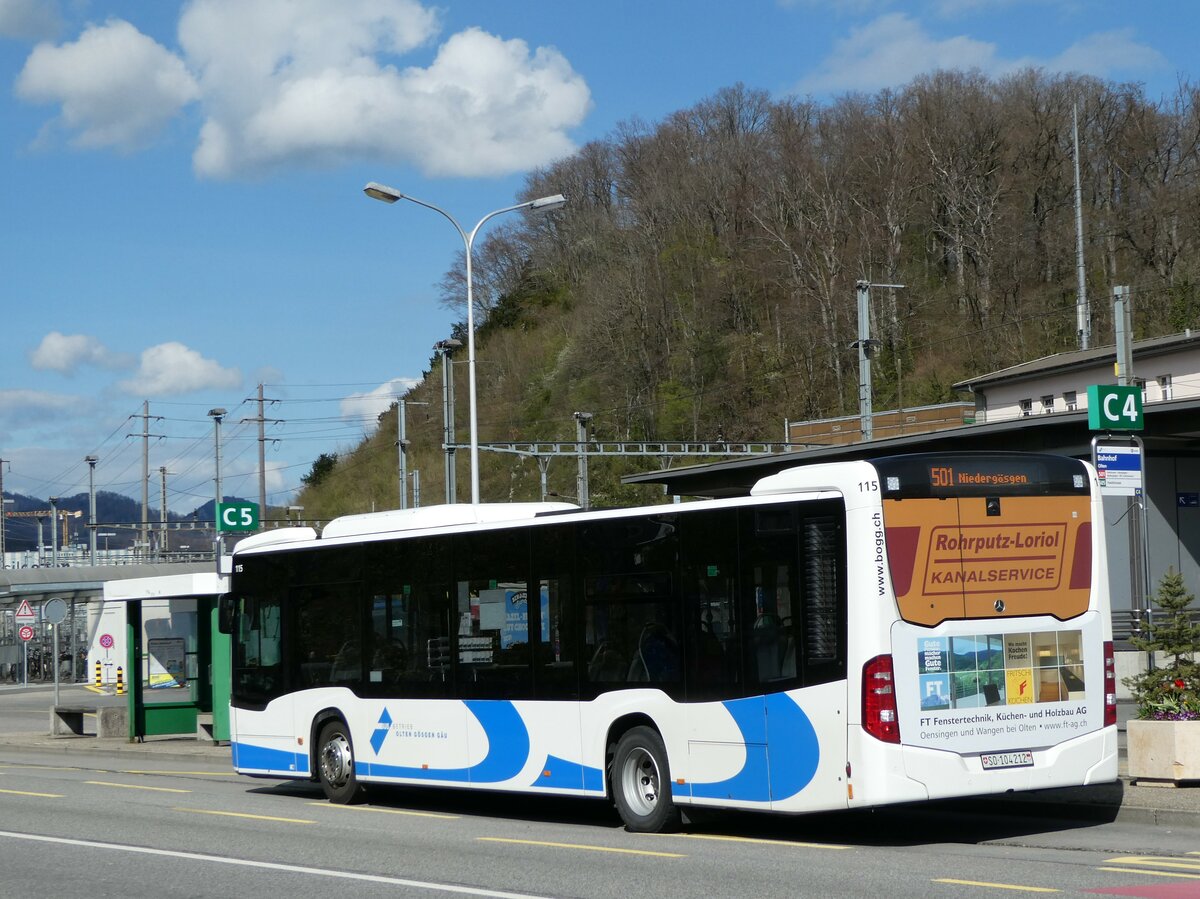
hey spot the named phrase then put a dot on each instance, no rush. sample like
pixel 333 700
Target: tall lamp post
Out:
pixel 387 194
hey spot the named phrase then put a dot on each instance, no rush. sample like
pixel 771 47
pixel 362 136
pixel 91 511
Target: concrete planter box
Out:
pixel 1165 752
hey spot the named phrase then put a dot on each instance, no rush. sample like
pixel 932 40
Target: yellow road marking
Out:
pixel 581 846
pixel 1155 861
pixel 27 793
pixel 205 811
pixel 105 783
pixel 729 839
pixel 996 886
pixel 1145 871
pixel 385 811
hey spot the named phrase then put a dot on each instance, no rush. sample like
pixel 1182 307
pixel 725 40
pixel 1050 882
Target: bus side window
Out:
pixel 329 635
pixel 494 612
pixel 708 583
pixel 629 569
pixel 557 648
pixel 410 618
pixel 768 534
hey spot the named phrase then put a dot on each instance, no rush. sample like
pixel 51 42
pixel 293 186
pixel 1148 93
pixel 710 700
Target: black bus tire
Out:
pixel 335 765
pixel 641 783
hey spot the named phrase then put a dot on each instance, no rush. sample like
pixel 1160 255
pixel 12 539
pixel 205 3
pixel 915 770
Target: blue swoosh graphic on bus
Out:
pixel 508 749
pixel 784 734
pixel 561 774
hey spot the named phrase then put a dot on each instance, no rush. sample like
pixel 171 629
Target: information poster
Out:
pixel 985 692
pixel 168 656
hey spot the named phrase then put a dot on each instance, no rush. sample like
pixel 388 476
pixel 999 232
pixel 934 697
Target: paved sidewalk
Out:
pixel 1120 801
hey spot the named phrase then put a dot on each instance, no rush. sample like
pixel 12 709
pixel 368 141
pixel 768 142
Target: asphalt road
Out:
pixel 129 825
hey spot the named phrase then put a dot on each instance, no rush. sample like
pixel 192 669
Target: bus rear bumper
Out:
pixel 889 774
pixel 1087 759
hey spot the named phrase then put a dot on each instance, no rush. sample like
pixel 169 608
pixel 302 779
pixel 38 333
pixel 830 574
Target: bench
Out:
pixel 67 720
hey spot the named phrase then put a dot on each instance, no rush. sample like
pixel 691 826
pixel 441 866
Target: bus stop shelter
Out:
pixel 176 659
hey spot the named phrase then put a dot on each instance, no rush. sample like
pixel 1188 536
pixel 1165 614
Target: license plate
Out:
pixel 1021 759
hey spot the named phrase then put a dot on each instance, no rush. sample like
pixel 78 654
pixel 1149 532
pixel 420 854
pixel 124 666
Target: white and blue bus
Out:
pixel 850 634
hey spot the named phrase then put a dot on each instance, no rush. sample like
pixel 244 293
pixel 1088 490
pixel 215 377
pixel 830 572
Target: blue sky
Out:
pixel 181 185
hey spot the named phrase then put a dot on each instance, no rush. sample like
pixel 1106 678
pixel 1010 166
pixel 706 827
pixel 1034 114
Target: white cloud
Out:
pixel 29 19
pixel 34 401
pixel 117 87
pixel 310 82
pixel 65 353
pixel 485 106
pixel 1106 52
pixel 893 49
pixel 172 368
pixel 368 406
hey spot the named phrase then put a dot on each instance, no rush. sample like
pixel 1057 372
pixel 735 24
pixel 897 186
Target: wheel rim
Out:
pixel 336 761
pixel 639 781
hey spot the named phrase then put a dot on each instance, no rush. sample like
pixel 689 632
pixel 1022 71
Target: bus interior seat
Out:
pixel 607 664
pixel 657 657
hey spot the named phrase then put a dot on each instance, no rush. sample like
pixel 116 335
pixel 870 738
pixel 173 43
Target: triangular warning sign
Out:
pixel 24 610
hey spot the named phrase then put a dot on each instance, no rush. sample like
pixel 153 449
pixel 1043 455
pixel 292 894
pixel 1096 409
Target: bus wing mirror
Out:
pixel 226 612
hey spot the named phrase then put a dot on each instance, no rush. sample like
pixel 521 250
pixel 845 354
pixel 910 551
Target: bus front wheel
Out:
pixel 335 765
pixel 641 783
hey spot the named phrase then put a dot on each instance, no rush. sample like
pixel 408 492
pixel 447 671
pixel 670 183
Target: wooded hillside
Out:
pixel 700 283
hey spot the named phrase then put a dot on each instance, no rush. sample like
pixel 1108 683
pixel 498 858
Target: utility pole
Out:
pixel 91 461
pixel 416 479
pixel 262 450
pixel 3 514
pixel 217 415
pixel 145 538
pixel 54 531
pixel 581 478
pixel 1083 312
pixel 146 435
pixel 402 450
pixel 446 349
pixel 162 511
pixel 866 347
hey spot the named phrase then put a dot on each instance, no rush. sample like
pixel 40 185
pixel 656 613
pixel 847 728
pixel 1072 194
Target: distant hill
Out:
pixel 116 514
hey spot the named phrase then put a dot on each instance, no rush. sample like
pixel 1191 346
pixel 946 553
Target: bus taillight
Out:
pixel 1110 685
pixel 879 700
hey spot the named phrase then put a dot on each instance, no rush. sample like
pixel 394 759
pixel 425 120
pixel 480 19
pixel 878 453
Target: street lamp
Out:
pixel 377 191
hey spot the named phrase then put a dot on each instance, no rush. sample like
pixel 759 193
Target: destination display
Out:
pixel 980 474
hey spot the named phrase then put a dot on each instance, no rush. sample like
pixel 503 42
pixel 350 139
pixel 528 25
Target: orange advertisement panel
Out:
pixel 981 557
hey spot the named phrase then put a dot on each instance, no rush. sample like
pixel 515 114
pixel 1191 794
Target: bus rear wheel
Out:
pixel 335 765
pixel 641 782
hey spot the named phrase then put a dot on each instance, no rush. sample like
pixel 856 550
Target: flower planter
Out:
pixel 1164 752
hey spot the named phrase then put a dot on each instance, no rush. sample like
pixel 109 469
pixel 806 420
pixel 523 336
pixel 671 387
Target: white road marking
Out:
pixel 273 866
